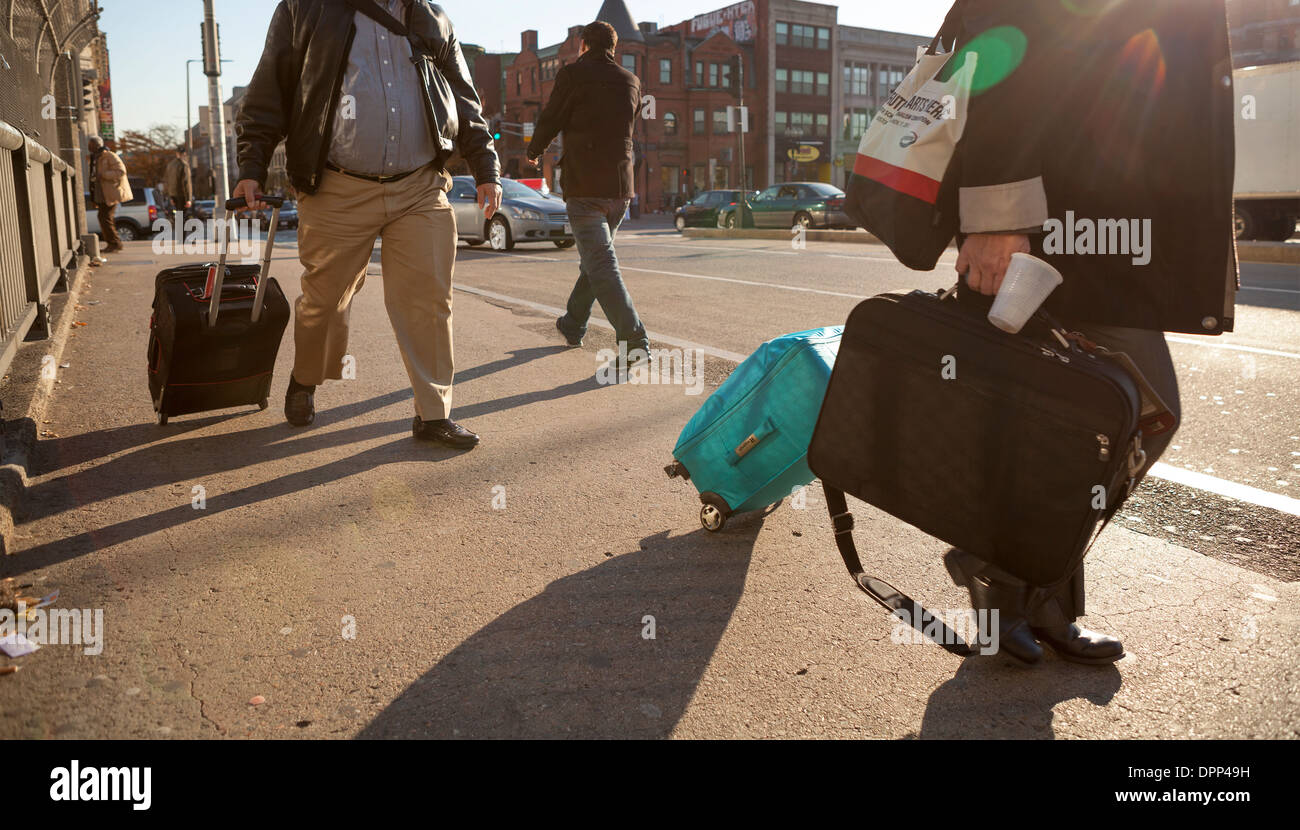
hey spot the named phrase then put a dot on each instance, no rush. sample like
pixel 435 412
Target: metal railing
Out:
pixel 40 236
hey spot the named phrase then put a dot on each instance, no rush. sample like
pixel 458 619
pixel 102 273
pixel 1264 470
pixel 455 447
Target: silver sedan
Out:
pixel 525 216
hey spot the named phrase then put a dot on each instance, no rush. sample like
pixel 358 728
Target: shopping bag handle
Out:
pixel 947 36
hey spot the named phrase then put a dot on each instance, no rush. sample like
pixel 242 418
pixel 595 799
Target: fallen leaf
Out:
pixel 257 700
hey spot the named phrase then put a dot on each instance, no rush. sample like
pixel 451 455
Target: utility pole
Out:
pixel 741 121
pixel 216 110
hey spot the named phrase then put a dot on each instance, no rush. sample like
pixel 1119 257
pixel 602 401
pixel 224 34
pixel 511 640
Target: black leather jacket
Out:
pixel 296 88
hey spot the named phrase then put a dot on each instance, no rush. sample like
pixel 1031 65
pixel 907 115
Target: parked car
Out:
pixel 288 215
pixel 538 184
pixel 525 216
pixel 134 219
pixel 810 204
pixel 710 209
pixel 202 209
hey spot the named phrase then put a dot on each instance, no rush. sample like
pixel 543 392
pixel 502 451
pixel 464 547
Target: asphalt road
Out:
pixel 345 581
pixel 1241 392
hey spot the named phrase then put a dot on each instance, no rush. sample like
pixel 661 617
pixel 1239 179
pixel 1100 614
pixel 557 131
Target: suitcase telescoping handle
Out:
pixel 214 305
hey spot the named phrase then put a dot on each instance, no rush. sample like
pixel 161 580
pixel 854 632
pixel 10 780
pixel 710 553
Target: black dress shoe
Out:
pixel 299 403
pixel 1079 645
pixel 1009 598
pixel 568 338
pixel 445 431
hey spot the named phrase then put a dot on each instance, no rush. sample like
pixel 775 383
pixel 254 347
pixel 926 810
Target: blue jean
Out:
pixel 595 222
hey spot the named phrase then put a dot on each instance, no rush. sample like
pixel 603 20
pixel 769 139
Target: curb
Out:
pixel 29 400
pixel 1277 253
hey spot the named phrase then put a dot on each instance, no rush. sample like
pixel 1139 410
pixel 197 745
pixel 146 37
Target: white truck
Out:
pixel 1267 188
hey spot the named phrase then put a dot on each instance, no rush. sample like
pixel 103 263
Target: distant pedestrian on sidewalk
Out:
pixel 180 187
pixel 108 188
pixel 368 133
pixel 595 104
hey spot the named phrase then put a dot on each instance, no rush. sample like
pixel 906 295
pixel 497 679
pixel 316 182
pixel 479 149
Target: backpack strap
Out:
pixel 879 590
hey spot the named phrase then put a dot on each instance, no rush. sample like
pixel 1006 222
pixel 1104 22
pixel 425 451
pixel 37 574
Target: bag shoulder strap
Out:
pixel 879 590
pixel 373 11
pixel 947 36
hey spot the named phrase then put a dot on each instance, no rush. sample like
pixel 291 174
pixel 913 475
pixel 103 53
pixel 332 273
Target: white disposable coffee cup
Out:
pixel 1024 289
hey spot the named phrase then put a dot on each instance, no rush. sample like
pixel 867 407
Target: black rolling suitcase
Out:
pixel 1012 447
pixel 215 331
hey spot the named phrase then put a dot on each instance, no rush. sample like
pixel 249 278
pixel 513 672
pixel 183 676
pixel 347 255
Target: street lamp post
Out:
pixel 189 125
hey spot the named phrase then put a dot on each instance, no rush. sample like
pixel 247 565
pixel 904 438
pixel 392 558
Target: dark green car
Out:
pixel 810 204
pixel 710 209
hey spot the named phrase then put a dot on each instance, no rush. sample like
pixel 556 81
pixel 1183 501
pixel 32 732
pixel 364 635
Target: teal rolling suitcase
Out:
pixel 747 446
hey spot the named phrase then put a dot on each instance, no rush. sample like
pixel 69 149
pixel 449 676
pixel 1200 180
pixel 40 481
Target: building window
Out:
pixel 670 123
pixel 697 119
pixel 726 75
pixel 719 122
pixel 857 79
pixel 713 74
pixel 629 63
pixel 823 38
pixel 699 73
pixel 802 82
pixel 665 71
pixel 800 124
pixel 795 34
pixel 855 123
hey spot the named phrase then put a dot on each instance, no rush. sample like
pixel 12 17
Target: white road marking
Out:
pixel 680 343
pixel 1231 489
pixel 1188 478
pixel 526 256
pixel 1275 290
pixel 745 282
pixel 620 242
pixel 1210 344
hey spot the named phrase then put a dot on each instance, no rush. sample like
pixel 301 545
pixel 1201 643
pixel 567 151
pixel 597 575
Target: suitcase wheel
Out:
pixel 264 404
pixel 162 419
pixel 712 518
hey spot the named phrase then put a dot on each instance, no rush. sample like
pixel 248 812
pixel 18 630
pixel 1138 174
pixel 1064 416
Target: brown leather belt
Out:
pixel 396 177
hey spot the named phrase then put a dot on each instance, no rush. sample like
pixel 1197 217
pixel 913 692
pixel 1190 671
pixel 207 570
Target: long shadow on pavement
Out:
pixel 994 697
pixel 572 662
pixel 60 453
pixel 191 459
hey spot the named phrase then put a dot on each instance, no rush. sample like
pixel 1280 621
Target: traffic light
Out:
pixel 496 128
pixel 88 78
pixel 736 76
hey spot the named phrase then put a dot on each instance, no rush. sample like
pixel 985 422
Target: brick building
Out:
pixel 804 79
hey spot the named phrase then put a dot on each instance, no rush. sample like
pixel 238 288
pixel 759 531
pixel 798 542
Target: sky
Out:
pixel 149 41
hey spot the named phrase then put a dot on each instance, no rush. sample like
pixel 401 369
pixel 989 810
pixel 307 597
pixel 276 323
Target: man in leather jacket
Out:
pixel 372 98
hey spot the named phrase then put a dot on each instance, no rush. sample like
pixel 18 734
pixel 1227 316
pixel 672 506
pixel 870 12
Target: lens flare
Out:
pixel 1000 50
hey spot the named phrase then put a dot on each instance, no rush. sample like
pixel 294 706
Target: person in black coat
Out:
pixel 594 105
pixel 1099 138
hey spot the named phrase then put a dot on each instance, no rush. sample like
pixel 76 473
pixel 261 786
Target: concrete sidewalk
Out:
pixel 363 584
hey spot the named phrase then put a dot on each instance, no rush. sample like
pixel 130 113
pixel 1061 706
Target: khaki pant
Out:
pixel 338 225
